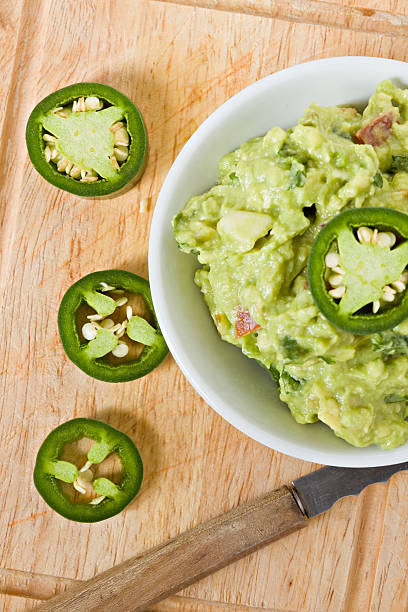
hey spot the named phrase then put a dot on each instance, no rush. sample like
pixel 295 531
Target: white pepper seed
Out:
pixel 338 269
pixel 398 285
pixel 78 487
pixel 386 239
pixel 68 167
pixel 332 260
pixel 49 138
pixel 122 328
pixel 388 289
pixel 114 162
pixel 116 327
pixel 88 331
pixel 95 317
pixel 83 174
pixel 129 312
pixel 62 165
pixel 374 236
pixel 83 482
pixel 47 153
pixel 388 297
pixel 364 234
pixel 121 153
pixel 106 287
pixel 404 277
pixel 116 126
pixel 107 324
pixel 97 500
pixel 75 172
pixel 93 103
pixel 86 466
pixel 121 350
pixel 336 280
pixel 54 154
pixel 376 306
pixel 121 301
pixel 121 137
pixel 338 292
pixel 58 109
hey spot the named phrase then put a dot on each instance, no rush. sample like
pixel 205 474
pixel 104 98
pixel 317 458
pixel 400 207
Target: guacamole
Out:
pixel 252 234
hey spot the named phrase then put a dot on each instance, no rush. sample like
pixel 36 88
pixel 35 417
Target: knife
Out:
pixel 142 581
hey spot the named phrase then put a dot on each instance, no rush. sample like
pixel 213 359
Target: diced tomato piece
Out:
pixel 244 323
pixel 377 131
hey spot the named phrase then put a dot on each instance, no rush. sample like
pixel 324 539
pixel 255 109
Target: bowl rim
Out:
pixel 342 459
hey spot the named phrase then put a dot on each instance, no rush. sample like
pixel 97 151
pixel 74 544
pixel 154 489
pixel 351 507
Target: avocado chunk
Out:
pixel 243 228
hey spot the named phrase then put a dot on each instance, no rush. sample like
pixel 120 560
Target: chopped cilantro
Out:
pixel 378 179
pixel 399 163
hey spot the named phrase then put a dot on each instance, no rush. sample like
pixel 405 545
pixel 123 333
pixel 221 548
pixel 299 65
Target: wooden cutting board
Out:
pixel 178 61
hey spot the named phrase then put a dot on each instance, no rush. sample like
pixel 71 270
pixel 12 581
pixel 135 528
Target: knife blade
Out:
pixel 147 578
pixel 316 492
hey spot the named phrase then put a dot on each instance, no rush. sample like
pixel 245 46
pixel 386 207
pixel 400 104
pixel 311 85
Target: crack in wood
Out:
pixel 31 585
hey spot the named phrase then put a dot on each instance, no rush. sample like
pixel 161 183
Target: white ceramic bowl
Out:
pixel 235 386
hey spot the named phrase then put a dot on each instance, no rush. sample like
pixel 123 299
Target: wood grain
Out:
pixel 178 63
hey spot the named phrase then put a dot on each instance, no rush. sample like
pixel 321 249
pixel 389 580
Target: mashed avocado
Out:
pixel 252 233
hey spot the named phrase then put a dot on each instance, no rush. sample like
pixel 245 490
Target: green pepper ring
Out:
pixel 130 172
pixel 363 323
pixel 48 486
pixel 150 357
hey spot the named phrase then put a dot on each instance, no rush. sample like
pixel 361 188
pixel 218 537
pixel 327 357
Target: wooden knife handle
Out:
pixel 142 581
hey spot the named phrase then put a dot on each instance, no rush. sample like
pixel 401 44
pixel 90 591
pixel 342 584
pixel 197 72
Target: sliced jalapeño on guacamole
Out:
pixel 88 139
pixel 108 326
pixel 357 270
pixel 77 492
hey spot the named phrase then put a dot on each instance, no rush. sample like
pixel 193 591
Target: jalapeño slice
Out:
pixel 108 326
pixel 357 270
pixel 88 139
pixel 107 498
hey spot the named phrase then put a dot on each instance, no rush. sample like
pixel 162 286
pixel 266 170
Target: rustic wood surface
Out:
pixel 178 61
